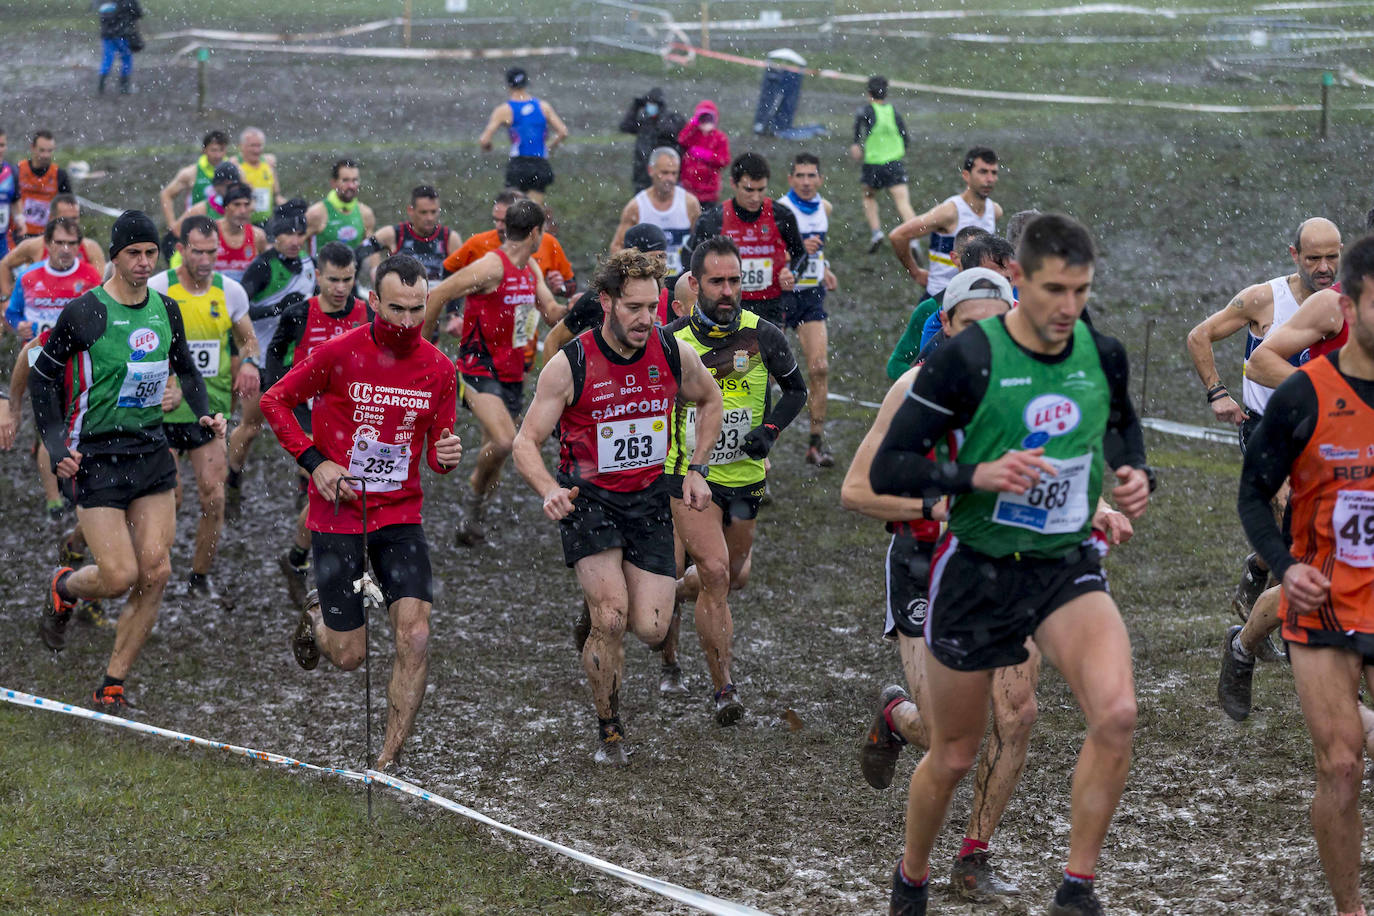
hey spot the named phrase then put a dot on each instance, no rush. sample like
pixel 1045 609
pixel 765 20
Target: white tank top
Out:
pixel 942 265
pixel 809 224
pixel 1256 396
pixel 673 221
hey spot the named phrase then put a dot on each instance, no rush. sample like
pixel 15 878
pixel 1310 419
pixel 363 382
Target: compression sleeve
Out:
pixel 78 326
pixel 64 182
pixel 943 397
pixel 1124 443
pixel 256 276
pixel 863 124
pixel 289 331
pixel 904 354
pixel 791 237
pixel 445 417
pixel 782 366
pixel 708 225
pixel 584 315
pixel 183 363
pixel 1287 426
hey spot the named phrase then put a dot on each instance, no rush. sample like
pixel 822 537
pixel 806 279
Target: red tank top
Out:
pixel 616 434
pixel 234 261
pixel 1323 347
pixel 498 325
pixel 35 196
pixel 762 252
pixel 321 325
pixel 664 304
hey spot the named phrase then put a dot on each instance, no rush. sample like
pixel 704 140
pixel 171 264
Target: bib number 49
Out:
pixel 1353 523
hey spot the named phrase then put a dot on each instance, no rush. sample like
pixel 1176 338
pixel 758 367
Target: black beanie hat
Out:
pixel 646 237
pixel 131 228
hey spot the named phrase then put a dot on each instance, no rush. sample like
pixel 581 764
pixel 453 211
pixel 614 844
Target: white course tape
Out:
pixel 226 35
pixel 1188 431
pixel 704 902
pixel 832 396
pixel 99 208
pixel 383 53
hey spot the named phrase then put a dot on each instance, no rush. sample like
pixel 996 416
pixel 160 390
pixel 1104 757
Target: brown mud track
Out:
pixel 1214 817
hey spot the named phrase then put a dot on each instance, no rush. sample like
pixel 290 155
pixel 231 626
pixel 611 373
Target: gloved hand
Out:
pixel 760 441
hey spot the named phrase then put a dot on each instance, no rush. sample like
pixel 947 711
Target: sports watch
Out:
pixel 703 469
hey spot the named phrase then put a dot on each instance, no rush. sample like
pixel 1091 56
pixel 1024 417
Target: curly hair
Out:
pixel 626 264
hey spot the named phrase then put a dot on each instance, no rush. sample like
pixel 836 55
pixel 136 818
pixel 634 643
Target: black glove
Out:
pixel 760 441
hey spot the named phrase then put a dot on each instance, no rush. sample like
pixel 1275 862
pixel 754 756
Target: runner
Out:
pixel 9 196
pixel 664 204
pixel 804 306
pixel 880 142
pixel 278 277
pixel 741 351
pixel 991 252
pixel 506 296
pixel 195 179
pixel 31 251
pixel 584 309
pixel 340 217
pixel 226 173
pixel 767 237
pixel 40 180
pixel 422 237
pixel 1318 431
pixel 908 348
pixel 107 444
pixel 214 312
pixel 382 396
pixel 971 207
pixel 304 325
pixel 528 121
pixel 1018 560
pixel 259 173
pixel 239 241
pixel 609 393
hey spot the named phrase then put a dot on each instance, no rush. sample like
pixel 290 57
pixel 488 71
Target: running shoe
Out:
pixel 1076 898
pixel 729 709
pixel 610 750
pixel 67 552
pixel 470 531
pixel 303 644
pixel 297 578
pixel 110 700
pixel 89 613
pixel 56 510
pixel 882 745
pixel 973 878
pixel 1252 584
pixel 233 502
pixel 670 682
pixel 875 241
pixel 1237 677
pixel 57 613
pixel 199 588
pixel 907 899
pixel 819 455
pixel 583 627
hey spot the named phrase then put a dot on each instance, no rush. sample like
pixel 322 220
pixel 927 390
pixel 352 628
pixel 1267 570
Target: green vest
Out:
pixel 208 333
pixel 200 188
pixel 884 142
pixel 734 362
pixel 1062 406
pixel 123 374
pixel 343 222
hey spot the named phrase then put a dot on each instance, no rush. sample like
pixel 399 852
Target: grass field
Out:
pixel 1187 208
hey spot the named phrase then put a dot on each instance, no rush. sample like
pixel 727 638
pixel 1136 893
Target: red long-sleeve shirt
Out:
pixel 373 413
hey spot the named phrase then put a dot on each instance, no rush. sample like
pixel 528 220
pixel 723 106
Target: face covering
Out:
pixel 710 327
pixel 395 338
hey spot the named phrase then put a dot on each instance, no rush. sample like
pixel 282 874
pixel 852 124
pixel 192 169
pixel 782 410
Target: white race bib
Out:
pixel 143 384
pixel 4 217
pixel 757 274
pixel 814 273
pixel 43 319
pixel 1055 505
pixel 526 324
pixel 674 260
pixel 262 200
pixel 384 467
pixel 206 355
pixel 734 426
pixel 623 445
pixel 35 211
pixel 1352 521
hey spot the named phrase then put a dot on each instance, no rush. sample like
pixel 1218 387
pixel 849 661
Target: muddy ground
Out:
pixel 1187 209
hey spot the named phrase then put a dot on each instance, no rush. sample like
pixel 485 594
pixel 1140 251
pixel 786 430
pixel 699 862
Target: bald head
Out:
pixel 1316 252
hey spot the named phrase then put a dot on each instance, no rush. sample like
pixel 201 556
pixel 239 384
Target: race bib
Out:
pixel 42 319
pixel 262 200
pixel 623 445
pixel 814 273
pixel 757 274
pixel 526 324
pixel 143 384
pixel 1353 523
pixel 206 355
pixel 675 261
pixel 35 211
pixel 734 426
pixel 384 467
pixel 1055 505
pixel 4 217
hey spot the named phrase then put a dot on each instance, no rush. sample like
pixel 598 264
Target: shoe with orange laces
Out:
pixel 110 700
pixel 882 744
pixel 57 613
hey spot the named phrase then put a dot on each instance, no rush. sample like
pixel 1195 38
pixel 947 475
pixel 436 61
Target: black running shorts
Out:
pixel 400 565
pixel 512 394
pixel 640 524
pixel 982 608
pixel 735 502
pixel 769 310
pixel 115 481
pixel 908 582
pixel 528 173
pixel 1247 429
pixel 879 175
pixel 187 437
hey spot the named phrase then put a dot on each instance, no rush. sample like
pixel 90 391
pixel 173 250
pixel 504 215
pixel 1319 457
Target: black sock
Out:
pixel 815 440
pixel 196 578
pixel 234 478
pixel 62 587
pixel 298 555
pixel 111 682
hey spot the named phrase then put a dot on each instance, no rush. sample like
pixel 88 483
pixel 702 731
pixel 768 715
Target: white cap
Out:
pixel 990 285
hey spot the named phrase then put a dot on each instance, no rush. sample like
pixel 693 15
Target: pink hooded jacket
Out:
pixel 704 155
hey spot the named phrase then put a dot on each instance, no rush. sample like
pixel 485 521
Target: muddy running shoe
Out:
pixel 1237 676
pixel 670 682
pixel 199 588
pixel 611 749
pixel 1252 584
pixel 110 700
pixel 907 898
pixel 882 745
pixel 1076 898
pixel 57 613
pixel 89 613
pixel 233 502
pixel 974 878
pixel 303 644
pixel 729 709
pixel 583 627
pixel 818 453
pixel 67 552
pixel 875 241
pixel 297 579
pixel 470 533
pixel 56 510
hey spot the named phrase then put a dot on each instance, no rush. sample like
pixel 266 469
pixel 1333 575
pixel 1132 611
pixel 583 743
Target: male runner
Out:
pixel 31 251
pixel 226 174
pixel 214 312
pixel 528 121
pixel 304 325
pixel 584 309
pixel 971 207
pixel 40 180
pixel 108 443
pixel 278 277
pixel 772 249
pixel 195 179
pixel 609 393
pixel 506 297
pixel 991 252
pixel 9 195
pixel 908 347
pixel 259 173
pixel 1318 432
pixel 239 241
pixel 340 217
pixel 880 142
pixel 663 204
pixel 741 352
pixel 804 306
pixel 382 396
pixel 422 236
pixel 1040 399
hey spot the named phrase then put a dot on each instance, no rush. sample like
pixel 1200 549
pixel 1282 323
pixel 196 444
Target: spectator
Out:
pixel 705 153
pixel 119 35
pixel 654 126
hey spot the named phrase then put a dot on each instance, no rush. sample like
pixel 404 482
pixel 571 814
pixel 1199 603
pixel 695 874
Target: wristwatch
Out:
pixel 252 361
pixel 703 469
